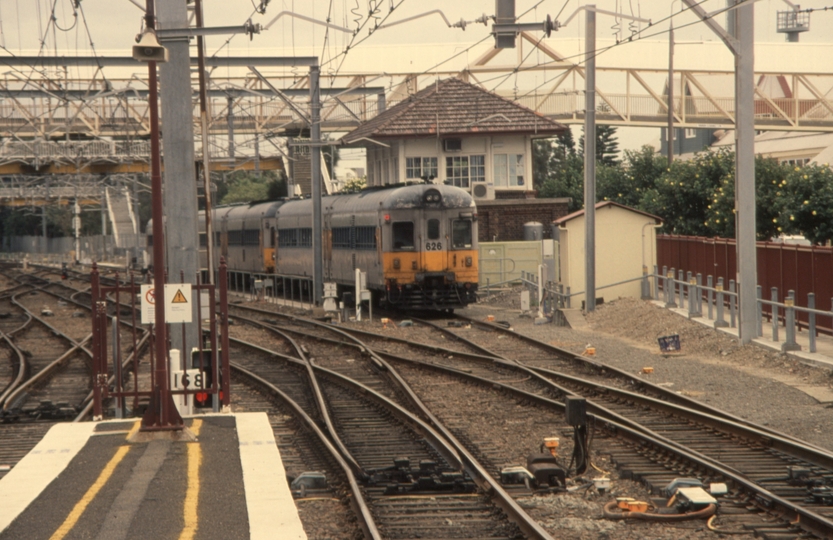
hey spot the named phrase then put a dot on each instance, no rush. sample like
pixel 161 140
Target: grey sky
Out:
pixel 113 25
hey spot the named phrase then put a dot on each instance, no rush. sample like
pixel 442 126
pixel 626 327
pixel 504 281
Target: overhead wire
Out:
pixel 598 52
pixel 582 57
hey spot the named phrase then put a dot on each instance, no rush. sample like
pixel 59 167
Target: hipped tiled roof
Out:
pixel 454 108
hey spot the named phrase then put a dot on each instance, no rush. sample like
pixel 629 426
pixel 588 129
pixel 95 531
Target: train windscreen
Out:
pixel 403 235
pixel 461 234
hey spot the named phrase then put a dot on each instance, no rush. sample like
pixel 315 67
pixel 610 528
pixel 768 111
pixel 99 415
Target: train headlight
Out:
pixel 468 261
pixel 397 264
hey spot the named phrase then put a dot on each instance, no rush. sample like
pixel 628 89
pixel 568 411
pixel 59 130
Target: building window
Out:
pixel 457 170
pixel 477 168
pixel 799 162
pixel 420 167
pixel 460 170
pixel 509 170
pixel 690 133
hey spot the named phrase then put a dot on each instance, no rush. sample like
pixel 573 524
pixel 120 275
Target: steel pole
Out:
pixel 670 134
pixel 315 157
pixel 206 155
pixel 590 160
pixel 180 175
pixel 745 171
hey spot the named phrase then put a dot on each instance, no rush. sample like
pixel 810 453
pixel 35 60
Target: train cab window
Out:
pixel 433 229
pixel 461 233
pixel 403 236
pixel 203 240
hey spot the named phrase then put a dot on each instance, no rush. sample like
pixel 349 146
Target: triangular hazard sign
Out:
pixel 179 298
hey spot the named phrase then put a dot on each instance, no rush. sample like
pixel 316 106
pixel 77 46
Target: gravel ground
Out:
pixel 712 367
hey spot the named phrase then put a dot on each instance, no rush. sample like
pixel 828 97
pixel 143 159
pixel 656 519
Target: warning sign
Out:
pixel 177 303
pixel 148 304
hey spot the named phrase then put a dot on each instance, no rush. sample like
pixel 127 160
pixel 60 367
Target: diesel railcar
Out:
pixel 417 243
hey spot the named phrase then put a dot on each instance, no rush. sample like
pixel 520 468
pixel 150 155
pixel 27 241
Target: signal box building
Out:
pixel 455 133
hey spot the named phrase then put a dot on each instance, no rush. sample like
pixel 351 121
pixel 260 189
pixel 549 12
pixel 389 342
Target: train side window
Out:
pixel 403 236
pixel 461 233
pixel 433 229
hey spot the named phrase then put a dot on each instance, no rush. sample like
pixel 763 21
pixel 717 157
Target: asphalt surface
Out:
pixel 144 496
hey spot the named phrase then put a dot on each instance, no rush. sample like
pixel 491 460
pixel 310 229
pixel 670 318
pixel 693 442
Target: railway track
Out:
pixel 779 474
pixel 324 504
pixel 374 432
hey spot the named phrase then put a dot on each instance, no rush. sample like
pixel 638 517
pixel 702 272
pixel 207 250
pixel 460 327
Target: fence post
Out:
pixel 692 303
pixel 811 331
pixel 774 313
pixel 680 277
pixel 672 289
pixel 487 287
pixel 710 295
pixel 569 297
pixel 656 284
pixel 646 290
pixel 759 309
pixel 665 284
pixel 732 304
pixel 719 322
pixel 698 293
pixel 790 343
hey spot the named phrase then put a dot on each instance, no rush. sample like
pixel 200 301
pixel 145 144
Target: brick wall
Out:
pixel 504 219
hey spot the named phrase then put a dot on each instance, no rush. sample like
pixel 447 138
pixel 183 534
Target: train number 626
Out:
pixel 433 246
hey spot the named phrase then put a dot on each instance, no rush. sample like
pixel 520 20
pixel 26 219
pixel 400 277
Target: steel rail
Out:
pixel 21 369
pixel 448 450
pixel 358 502
pixel 17 394
pixel 478 472
pixel 358 470
pixel 617 424
pixel 617 372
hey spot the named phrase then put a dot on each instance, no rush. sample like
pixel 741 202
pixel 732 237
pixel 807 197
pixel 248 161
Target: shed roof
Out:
pixel 603 204
pixel 454 107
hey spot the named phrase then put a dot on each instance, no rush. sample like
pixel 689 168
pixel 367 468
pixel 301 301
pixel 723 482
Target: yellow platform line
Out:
pixel 88 497
pixel 193 491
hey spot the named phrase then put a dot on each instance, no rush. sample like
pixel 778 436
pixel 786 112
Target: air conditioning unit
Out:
pixel 452 145
pixel 482 191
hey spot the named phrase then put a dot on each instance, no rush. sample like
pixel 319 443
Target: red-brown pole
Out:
pixel 165 415
pixel 97 337
pixel 224 348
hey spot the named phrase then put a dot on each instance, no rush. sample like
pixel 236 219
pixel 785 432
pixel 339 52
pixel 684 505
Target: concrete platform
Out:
pixel 89 480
